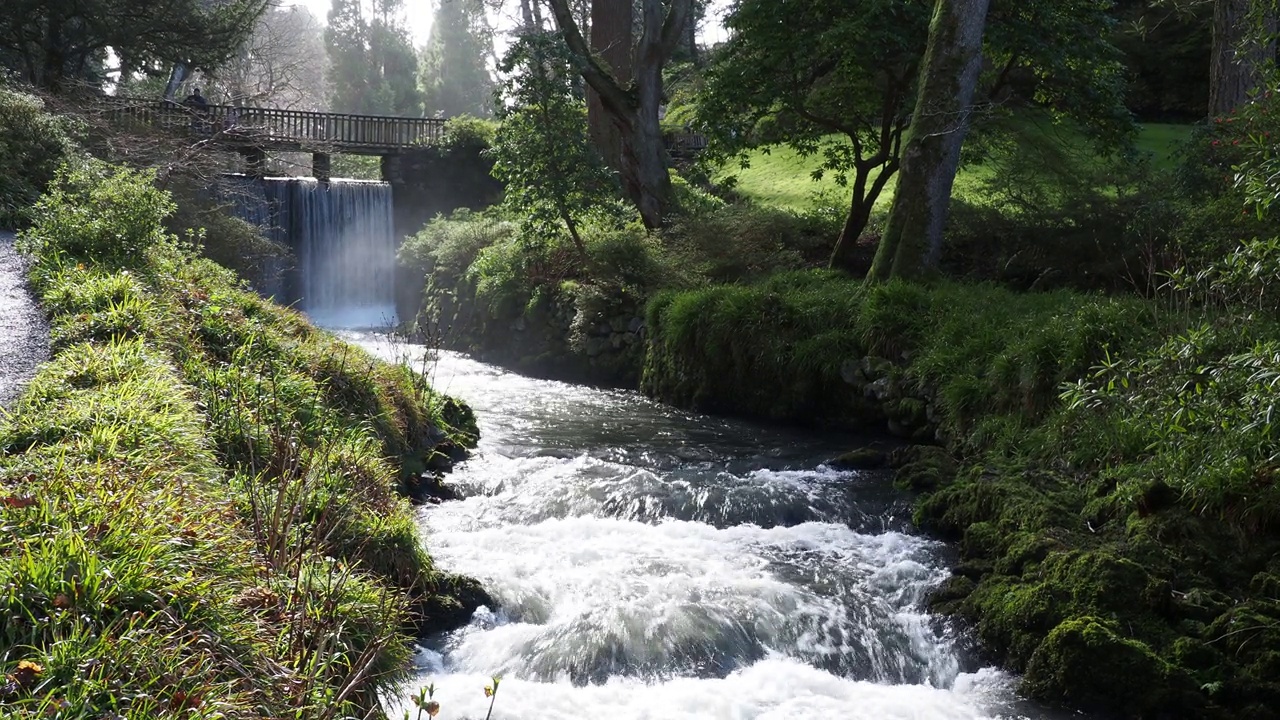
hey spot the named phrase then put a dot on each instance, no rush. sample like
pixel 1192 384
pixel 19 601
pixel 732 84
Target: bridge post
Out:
pixel 321 166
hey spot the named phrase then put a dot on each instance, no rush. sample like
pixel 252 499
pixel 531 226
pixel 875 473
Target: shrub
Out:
pixel 447 246
pixel 739 242
pixel 96 214
pixel 465 132
pixel 33 144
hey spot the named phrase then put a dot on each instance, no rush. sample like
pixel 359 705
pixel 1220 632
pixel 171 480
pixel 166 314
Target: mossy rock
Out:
pixel 922 468
pixel 1025 552
pixel 1265 585
pixel 982 539
pixel 448 604
pixel 949 596
pixel 1012 617
pixel 864 458
pixel 1098 581
pixel 1193 654
pixel 1084 663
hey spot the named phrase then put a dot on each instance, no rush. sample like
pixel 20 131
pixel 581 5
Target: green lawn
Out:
pixel 780 176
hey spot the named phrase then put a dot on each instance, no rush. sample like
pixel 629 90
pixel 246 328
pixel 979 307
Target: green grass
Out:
pixel 781 177
pixel 201 493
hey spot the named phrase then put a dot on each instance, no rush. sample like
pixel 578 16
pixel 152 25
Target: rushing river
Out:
pixel 651 563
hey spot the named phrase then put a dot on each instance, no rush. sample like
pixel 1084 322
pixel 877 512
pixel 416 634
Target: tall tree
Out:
pixel 453 75
pixel 49 42
pixel 281 65
pixel 844 93
pixel 634 106
pixel 1240 56
pixel 372 63
pixel 912 240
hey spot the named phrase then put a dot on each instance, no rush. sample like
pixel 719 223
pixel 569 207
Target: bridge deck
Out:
pixel 282 130
pixel 306 131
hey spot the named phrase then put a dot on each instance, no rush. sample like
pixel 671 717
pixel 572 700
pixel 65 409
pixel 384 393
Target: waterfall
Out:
pixel 342 234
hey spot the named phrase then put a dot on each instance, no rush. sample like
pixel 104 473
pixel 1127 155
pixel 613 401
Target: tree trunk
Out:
pixel 912 241
pixel 691 40
pixel 611 22
pixel 1237 59
pixel 843 256
pixel 634 107
pixel 644 163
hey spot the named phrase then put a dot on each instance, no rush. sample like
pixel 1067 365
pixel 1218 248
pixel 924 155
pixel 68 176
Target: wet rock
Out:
pixel 864 458
pixel 431 488
pixel 636 325
pixel 448 603
pixel 851 371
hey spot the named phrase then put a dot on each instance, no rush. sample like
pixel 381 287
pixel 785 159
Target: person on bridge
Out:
pixel 199 108
pixel 196 101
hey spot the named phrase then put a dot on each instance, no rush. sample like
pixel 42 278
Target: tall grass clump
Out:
pixel 207 495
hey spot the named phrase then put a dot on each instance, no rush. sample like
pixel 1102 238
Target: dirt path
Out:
pixel 24 334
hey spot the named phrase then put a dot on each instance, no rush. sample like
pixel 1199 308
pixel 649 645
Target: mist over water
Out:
pixel 655 564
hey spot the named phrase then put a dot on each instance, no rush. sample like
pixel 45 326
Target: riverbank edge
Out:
pixel 232 473
pixel 1137 606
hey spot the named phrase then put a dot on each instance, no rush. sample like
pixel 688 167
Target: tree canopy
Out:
pixel 51 42
pixel 847 92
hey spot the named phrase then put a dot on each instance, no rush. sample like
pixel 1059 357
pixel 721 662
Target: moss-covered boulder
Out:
pixel 1083 662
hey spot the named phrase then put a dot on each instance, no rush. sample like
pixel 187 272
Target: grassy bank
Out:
pixel 203 495
pixel 1105 465
pixel 779 176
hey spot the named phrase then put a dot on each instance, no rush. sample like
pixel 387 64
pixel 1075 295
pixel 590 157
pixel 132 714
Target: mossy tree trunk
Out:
pixel 1239 55
pixel 633 106
pixel 912 241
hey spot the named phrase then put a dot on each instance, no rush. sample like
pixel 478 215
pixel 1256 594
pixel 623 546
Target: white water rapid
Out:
pixel 654 564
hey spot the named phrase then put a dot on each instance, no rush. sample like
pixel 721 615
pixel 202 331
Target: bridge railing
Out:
pixel 312 131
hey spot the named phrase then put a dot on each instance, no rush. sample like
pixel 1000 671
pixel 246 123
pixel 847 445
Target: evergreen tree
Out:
pixel 371 60
pixel 453 77
pixel 51 43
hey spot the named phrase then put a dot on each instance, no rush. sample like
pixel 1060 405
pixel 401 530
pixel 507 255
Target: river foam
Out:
pixel 649 563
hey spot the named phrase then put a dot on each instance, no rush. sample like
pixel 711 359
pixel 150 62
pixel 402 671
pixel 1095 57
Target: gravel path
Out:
pixel 24 334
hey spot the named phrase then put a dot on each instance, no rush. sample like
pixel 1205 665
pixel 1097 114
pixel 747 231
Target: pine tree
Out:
pixel 371 59
pixel 453 77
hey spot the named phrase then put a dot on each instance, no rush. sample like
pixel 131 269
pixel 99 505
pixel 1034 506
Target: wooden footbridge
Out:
pixel 253 131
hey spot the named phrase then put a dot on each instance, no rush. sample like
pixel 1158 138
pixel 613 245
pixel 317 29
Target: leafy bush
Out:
pixel 739 242
pixel 33 144
pixel 95 213
pixel 447 246
pixel 467 132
